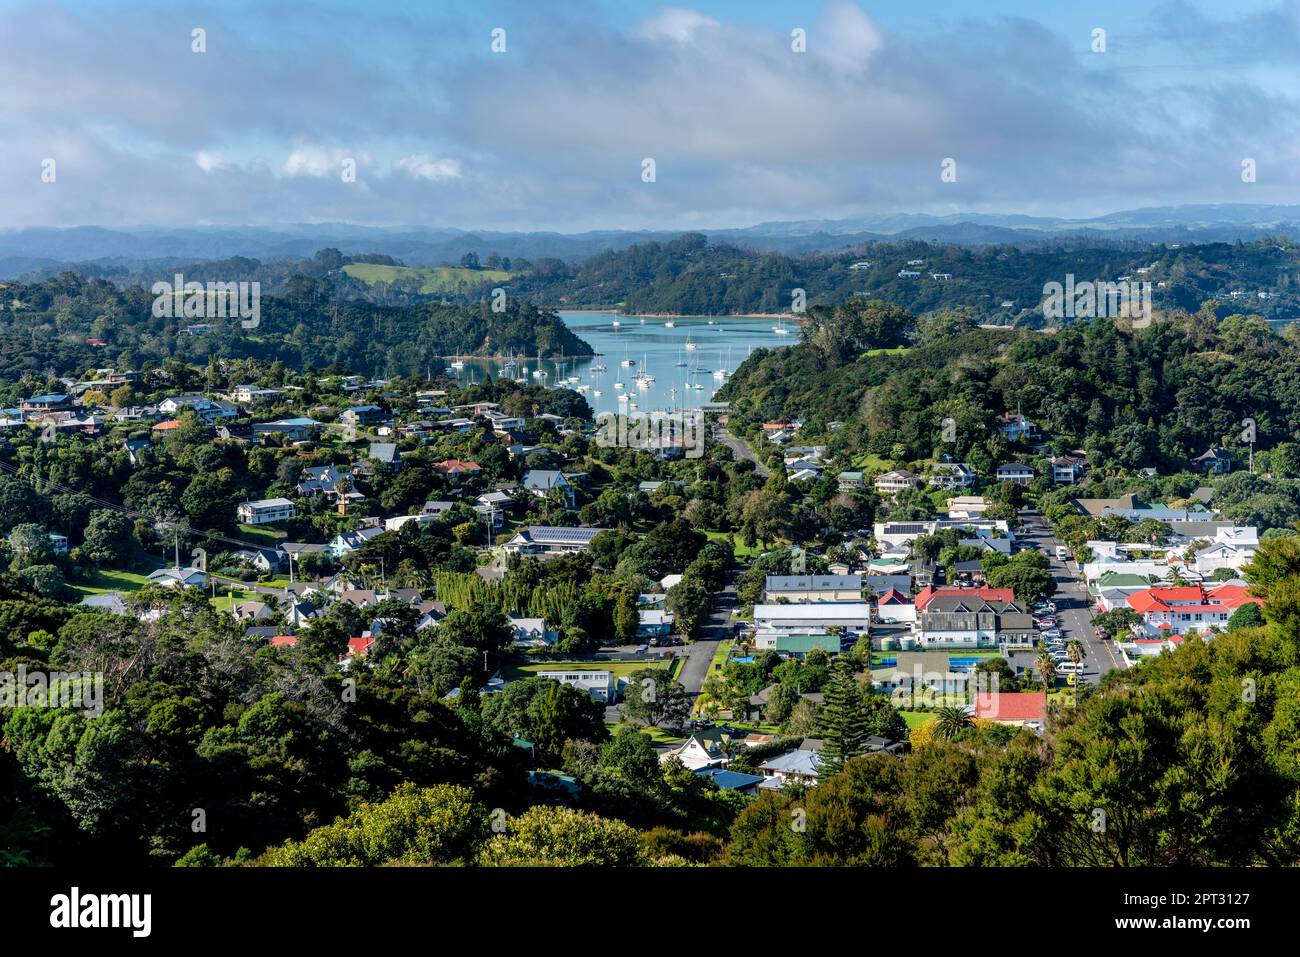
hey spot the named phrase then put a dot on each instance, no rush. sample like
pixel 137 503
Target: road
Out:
pixel 1072 602
pixel 699 654
pixel 740 448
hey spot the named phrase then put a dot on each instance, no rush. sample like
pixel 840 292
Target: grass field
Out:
pixel 433 279
pixel 896 351
pixel 106 580
pixel 620 668
pixel 741 550
pixel 262 535
pixel 915 719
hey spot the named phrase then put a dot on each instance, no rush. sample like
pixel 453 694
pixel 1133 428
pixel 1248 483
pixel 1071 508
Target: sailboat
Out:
pixel 458 365
pixel 780 328
pixel 644 378
pixel 689 343
pixel 616 323
pixel 670 324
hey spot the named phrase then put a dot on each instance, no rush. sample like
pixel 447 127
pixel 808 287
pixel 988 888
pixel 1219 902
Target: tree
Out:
pixel 951 722
pixel 562 837
pixel 1246 616
pixel 690 604
pixel 1046 666
pixel 653 697
pixel 109 539
pixel 1075 650
pixel 843 718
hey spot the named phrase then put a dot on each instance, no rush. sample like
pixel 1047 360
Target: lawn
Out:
pixel 112 579
pixel 656 735
pixel 432 279
pixel 915 719
pixel 896 351
pixel 740 549
pixel 871 462
pixel 620 668
pixel 262 535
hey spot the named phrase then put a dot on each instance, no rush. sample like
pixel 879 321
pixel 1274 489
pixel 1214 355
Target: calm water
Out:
pixel 683 378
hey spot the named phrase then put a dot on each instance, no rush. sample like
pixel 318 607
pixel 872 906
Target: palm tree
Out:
pixel 950 722
pixel 1046 671
pixel 1075 650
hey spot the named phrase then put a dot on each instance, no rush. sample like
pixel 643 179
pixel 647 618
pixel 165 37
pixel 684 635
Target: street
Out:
pixel 1071 601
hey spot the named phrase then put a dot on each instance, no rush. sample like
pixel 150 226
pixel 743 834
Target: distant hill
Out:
pixel 428 280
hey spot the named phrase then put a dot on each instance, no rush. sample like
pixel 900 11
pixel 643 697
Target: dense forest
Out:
pixel 1001 284
pixel 46 328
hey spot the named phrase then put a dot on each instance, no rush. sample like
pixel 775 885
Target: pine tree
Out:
pixel 843 718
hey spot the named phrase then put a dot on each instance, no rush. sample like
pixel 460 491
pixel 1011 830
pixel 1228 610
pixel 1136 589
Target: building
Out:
pixel 44 404
pixel 850 481
pixel 772 621
pixel 807 589
pixel 456 468
pixel 264 511
pixel 704 749
pixel 891 483
pixel 1190 609
pixel 532 633
pixel 541 482
pixel 1214 460
pixel 794 767
pixel 601 685
pixel 952 475
pixel 797 646
pixel 1068 470
pixel 899 535
pixel 1027 709
pixel 1014 427
pixel 1231 548
pixel 360 416
pixel 179 578
pixel 346 542
pixel 1016 472
pixel 654 623
pixel 970 621
pixel 549 540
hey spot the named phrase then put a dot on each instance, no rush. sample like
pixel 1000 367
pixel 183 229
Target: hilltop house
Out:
pixel 891 483
pixel 265 511
pixel 548 540
pixel 1216 460
pixel 540 482
pixel 1014 427
pixel 1017 472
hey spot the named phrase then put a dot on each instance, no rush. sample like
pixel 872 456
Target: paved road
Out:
pixel 1072 603
pixel 699 653
pixel 740 448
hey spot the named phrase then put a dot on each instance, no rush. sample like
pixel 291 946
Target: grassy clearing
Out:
pixel 112 579
pixel 433 279
pixel 915 719
pixel 740 550
pixel 620 668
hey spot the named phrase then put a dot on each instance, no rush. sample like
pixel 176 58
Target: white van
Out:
pixel 1069 668
pixel 1062 553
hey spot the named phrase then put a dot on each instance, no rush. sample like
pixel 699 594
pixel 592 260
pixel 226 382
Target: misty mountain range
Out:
pixel 101 250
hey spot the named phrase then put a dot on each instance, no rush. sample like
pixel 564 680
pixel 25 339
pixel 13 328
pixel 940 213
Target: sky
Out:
pixel 553 132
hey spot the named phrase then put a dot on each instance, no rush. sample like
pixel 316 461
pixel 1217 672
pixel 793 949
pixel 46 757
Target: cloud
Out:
pixel 552 134
pixel 422 167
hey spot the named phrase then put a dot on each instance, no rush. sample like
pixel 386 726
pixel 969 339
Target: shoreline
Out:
pixel 793 317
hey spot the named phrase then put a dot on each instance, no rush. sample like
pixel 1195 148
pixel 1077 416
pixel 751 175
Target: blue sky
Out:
pixel 552 133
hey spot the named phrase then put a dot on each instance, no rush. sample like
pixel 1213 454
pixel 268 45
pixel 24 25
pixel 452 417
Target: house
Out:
pixel 351 541
pixel 771 621
pixel 731 780
pixel 385 453
pixel 252 393
pixel 363 416
pixel 971 621
pixel 952 475
pixel 850 481
pixel 895 607
pixel 1068 469
pixel 1216 460
pixel 808 589
pixel 909 673
pixel 967 506
pixel 531 633
pixel 298 429
pixel 319 480
pixel 109 602
pixel 654 623
pixel 209 410
pixel 1188 610
pixel 456 468
pixel 799 766
pixel 549 540
pixel 899 535
pixel 704 749
pixel 1231 548
pixel 43 404
pixel 437 509
pixel 264 511
pixel 398 521
pixel 891 483
pixel 179 578
pixel 601 685
pixel 540 482
pixel 1016 472
pixel 1013 426
pixel 252 611
pixel 262 559
pixel 1027 709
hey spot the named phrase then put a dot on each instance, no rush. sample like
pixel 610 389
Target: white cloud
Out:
pixel 208 161
pixel 676 24
pixel 423 167
pixel 315 161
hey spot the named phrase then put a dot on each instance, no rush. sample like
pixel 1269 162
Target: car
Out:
pixel 1069 668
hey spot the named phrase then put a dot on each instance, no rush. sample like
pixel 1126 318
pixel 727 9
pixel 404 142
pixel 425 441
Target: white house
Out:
pixel 1231 548
pixel 772 621
pixel 531 633
pixel 601 685
pixel 1017 472
pixel 898 480
pixel 700 750
pixel 179 578
pixel 265 510
pixel 548 540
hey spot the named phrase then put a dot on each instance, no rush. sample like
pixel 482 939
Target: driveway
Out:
pixel 740 449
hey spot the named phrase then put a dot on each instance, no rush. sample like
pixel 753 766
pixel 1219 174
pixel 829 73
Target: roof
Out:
pixel 851 610
pixel 729 780
pixel 561 536
pixel 1191 599
pixel 813 582
pixel 799 761
pixel 929 592
pixel 1010 706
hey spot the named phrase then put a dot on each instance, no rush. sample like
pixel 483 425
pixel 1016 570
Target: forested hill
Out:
pixel 48 327
pixel 1154 397
pixel 1003 284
